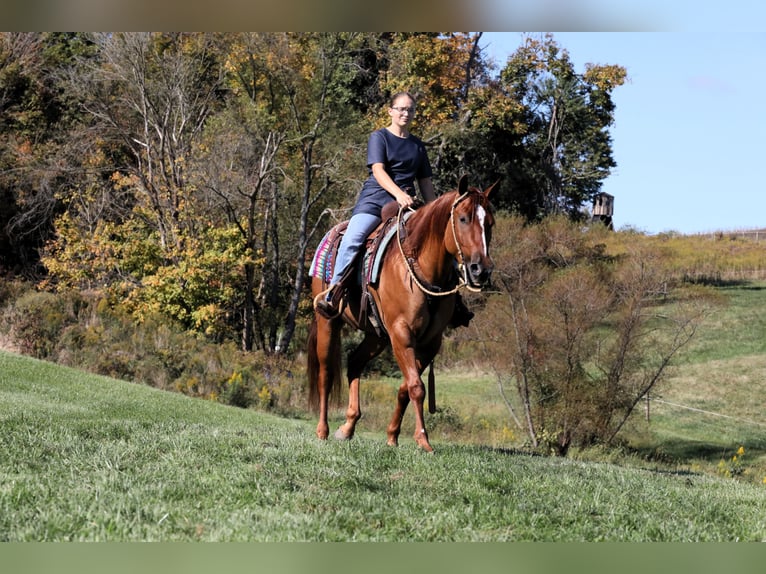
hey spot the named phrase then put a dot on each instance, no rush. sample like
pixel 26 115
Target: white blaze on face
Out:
pixel 481 215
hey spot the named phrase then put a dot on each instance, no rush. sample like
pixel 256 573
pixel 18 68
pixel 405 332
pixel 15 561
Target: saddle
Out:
pixel 366 270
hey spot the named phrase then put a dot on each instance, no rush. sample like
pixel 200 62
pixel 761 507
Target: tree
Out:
pixel 133 223
pixel 36 157
pixel 566 151
pixel 200 168
pixel 577 335
pixel 293 131
pixel 153 93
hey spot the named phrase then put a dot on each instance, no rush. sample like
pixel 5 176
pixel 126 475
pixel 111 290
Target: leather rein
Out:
pixel 408 261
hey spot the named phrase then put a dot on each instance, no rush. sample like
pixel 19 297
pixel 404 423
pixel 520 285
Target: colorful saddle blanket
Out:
pixel 369 272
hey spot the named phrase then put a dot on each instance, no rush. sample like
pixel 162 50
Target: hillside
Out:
pixel 84 457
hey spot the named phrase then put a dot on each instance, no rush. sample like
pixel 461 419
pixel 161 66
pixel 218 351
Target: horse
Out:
pixel 442 247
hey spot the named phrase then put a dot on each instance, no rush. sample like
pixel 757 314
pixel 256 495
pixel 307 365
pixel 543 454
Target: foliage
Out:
pixel 36 121
pixel 568 116
pixel 581 335
pixel 85 331
pixel 129 158
pixel 734 466
pixel 437 69
pixel 35 321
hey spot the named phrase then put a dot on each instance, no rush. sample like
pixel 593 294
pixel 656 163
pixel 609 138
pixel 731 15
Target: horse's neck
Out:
pixel 437 265
pixel 434 260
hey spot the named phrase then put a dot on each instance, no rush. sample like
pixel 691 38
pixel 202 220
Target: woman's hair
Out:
pixel 398 95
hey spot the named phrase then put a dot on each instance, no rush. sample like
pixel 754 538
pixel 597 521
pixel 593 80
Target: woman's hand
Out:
pixel 404 199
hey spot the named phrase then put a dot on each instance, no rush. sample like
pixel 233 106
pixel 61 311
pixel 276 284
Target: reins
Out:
pixel 462 276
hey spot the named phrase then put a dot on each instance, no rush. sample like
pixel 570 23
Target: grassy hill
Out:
pixel 713 400
pixel 85 457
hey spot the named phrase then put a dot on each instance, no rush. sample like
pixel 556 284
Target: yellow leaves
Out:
pixel 605 77
pixel 122 181
pixel 433 68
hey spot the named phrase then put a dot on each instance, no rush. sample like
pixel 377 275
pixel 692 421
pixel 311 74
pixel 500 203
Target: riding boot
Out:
pixel 462 315
pixel 329 303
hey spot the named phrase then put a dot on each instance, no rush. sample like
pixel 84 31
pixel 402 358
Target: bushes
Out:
pixel 36 320
pixel 579 334
pixel 84 331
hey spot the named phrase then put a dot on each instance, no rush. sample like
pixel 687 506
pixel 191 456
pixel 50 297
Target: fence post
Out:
pixel 647 407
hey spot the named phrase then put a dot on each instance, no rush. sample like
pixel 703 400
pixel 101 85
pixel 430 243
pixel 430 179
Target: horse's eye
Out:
pixel 463 219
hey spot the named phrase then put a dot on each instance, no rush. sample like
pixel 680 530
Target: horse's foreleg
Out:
pixel 417 392
pixel 412 390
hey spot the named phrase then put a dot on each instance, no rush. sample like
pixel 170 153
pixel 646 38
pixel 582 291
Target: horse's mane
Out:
pixel 431 219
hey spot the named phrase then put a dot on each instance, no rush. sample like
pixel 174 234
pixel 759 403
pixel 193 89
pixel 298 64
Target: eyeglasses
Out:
pixel 402 109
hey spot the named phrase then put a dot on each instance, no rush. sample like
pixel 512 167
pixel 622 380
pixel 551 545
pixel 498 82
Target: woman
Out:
pixel 395 159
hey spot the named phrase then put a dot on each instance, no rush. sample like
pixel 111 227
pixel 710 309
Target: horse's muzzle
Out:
pixel 480 271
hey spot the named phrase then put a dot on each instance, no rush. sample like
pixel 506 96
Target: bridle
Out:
pixel 463 281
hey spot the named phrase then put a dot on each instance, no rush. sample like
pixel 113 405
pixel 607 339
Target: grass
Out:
pixel 736 330
pixel 712 401
pixel 89 458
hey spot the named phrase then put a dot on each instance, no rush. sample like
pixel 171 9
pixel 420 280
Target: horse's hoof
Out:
pixel 340 435
pixel 423 443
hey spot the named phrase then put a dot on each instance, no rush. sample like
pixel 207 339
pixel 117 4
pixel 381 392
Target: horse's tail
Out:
pixel 332 365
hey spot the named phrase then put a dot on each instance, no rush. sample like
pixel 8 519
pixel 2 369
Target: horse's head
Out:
pixel 472 220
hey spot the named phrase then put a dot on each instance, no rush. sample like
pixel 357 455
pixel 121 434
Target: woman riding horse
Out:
pixel 415 295
pixel 396 159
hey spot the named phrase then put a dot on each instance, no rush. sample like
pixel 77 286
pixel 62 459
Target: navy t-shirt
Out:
pixel 405 160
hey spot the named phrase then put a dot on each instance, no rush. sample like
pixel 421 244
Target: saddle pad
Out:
pixel 324 257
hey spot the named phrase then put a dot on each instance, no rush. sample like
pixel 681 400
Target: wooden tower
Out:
pixel 603 209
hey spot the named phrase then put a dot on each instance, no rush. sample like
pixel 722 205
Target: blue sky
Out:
pixel 689 127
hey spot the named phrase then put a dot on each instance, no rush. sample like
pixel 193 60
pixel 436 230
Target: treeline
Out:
pixel 189 175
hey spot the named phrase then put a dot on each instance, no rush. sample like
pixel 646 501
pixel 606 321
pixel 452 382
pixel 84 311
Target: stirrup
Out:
pixel 327 308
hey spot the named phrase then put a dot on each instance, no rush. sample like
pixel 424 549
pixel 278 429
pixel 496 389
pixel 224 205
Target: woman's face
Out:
pixel 403 111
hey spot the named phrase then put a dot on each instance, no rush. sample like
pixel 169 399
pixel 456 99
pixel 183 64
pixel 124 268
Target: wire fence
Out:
pixel 705 412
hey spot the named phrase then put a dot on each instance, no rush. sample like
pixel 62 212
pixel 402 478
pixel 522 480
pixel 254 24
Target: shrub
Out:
pixel 35 322
pixel 580 334
pixel 85 331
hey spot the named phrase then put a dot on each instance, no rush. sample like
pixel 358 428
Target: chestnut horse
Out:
pixel 415 298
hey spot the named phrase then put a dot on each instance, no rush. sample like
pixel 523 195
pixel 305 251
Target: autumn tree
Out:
pixel 566 151
pixel 289 144
pixel 202 168
pixel 538 126
pixel 133 224
pixel 36 158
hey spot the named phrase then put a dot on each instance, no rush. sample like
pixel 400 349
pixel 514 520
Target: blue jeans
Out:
pixel 359 227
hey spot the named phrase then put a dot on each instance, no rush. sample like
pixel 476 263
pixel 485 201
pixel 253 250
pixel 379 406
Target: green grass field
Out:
pixel 88 458
pixel 714 399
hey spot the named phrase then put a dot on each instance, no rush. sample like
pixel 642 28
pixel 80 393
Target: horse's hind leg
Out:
pixel 367 350
pixel 328 356
pixel 395 426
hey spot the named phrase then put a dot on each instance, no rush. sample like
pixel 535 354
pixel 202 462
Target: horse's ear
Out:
pixel 462 185
pixel 490 189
